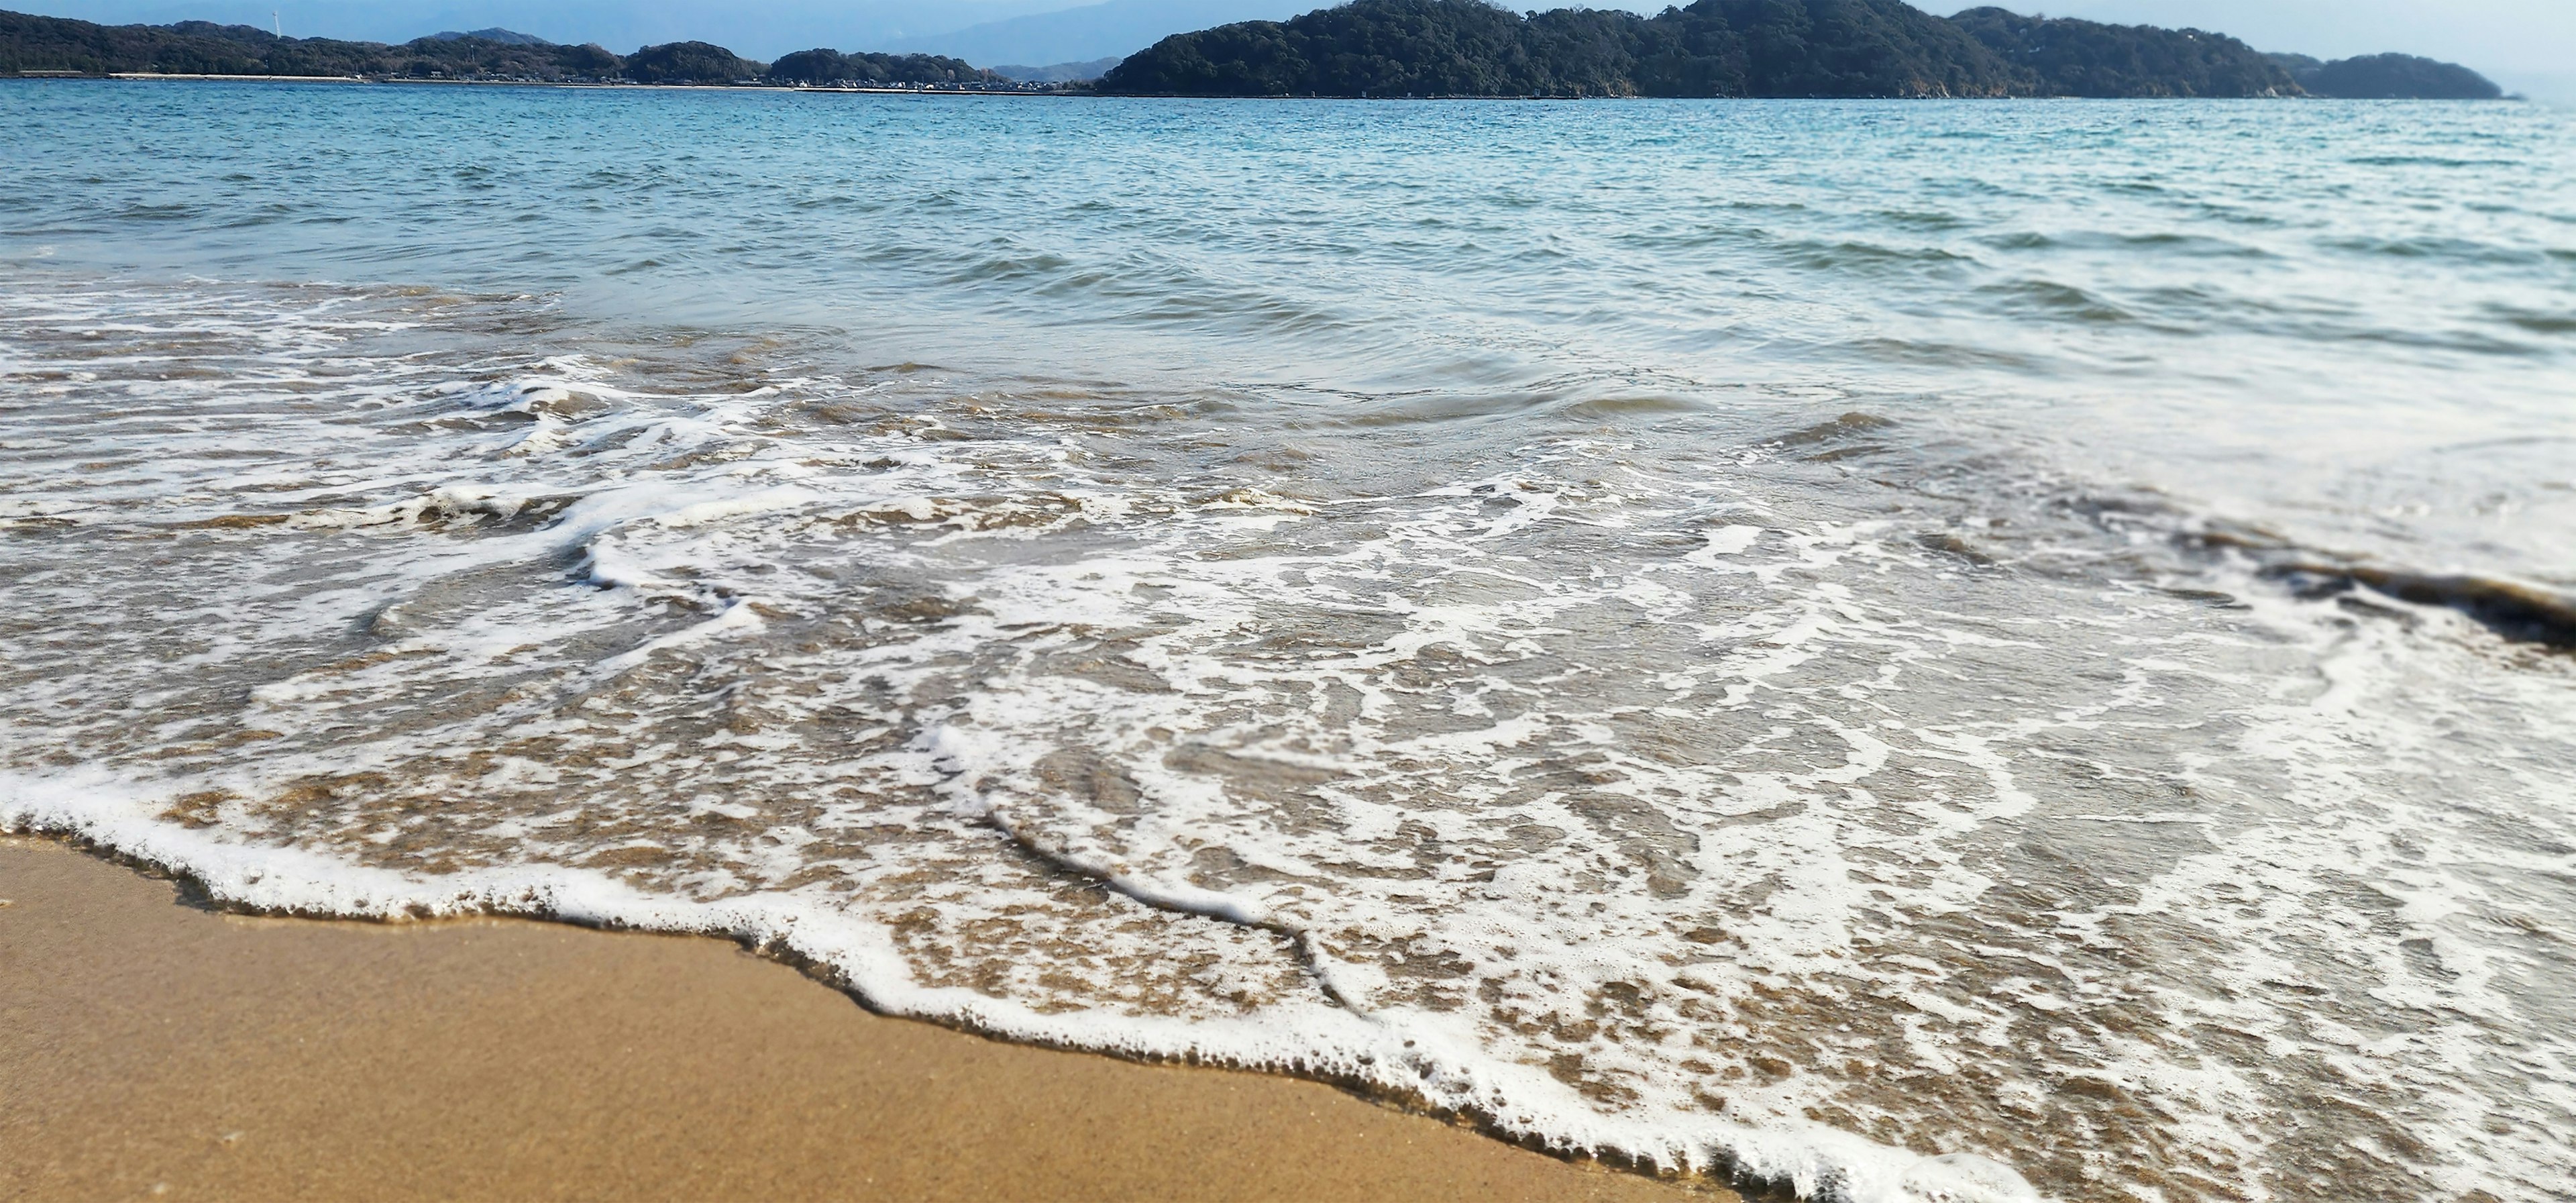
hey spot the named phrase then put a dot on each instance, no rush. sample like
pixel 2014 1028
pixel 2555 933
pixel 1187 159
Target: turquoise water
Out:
pixel 1847 643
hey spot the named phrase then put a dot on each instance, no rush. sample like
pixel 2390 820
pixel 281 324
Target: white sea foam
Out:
pixel 1327 1041
pixel 1669 805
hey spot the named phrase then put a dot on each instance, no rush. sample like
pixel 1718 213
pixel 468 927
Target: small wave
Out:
pixel 2163 241
pixel 1868 256
pixel 2535 321
pixel 2020 240
pixel 1010 267
pixel 2167 239
pixel 2426 161
pixel 2055 299
pixel 1919 219
pixel 1623 406
pixel 1850 425
pixel 161 212
pixel 1940 354
pixel 2460 250
pixel 2517 611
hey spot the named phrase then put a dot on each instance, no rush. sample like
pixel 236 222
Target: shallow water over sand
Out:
pixel 1786 638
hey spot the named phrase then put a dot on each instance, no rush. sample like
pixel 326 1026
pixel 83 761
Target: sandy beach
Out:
pixel 157 1049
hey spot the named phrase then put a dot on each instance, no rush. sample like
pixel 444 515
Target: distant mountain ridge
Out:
pixel 57 45
pixel 832 66
pixel 2388 77
pixel 1389 48
pixel 2067 57
pixel 1380 48
pixel 1764 48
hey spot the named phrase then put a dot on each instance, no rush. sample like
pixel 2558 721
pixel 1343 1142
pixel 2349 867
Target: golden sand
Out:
pixel 153 1049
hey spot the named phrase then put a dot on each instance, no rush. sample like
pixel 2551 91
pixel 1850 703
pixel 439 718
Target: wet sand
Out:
pixel 154 1049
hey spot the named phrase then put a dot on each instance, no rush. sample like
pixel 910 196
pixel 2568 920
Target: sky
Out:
pixel 2522 43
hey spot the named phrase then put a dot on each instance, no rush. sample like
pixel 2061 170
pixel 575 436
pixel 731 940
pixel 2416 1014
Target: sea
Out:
pixel 1873 650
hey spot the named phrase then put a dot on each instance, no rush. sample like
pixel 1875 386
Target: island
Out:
pixel 1373 49
pixel 34 45
pixel 1730 48
pixel 2388 77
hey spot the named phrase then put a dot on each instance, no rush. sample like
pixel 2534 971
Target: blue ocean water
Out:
pixel 1847 643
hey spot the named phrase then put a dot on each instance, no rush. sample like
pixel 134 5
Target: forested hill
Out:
pixel 1374 48
pixel 1468 48
pixel 1391 48
pixel 2065 57
pixel 60 45
pixel 2389 77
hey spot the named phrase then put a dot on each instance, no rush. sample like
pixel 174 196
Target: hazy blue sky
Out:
pixel 2512 39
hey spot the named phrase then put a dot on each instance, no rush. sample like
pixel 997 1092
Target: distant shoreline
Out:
pixel 160 77
pixel 1071 93
pixel 1360 50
